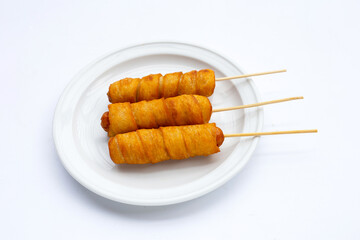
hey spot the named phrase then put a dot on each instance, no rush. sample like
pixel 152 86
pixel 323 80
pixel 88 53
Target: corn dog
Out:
pixel 157 145
pixel 174 111
pixel 157 86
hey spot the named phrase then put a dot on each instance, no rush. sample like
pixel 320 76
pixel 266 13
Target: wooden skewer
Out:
pixel 270 133
pixel 249 75
pixel 257 104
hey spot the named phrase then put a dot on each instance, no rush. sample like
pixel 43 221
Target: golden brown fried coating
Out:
pixel 187 84
pixel 156 86
pixel 171 84
pixel 180 110
pixel 149 88
pixel 153 143
pixel 121 118
pixel 124 90
pixel 205 83
pixel 156 145
pixel 205 106
pixel 143 115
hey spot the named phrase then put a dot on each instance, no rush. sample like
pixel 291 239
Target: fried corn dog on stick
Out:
pixel 175 111
pixel 157 145
pixel 157 86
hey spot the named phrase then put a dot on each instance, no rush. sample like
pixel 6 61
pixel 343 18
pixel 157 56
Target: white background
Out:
pixel 294 187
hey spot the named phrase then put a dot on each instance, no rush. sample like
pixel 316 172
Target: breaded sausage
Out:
pixel 156 145
pixel 175 111
pixel 155 86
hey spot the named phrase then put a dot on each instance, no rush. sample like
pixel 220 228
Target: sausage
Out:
pixel 157 145
pixel 105 123
pixel 155 86
pixel 219 137
pixel 174 111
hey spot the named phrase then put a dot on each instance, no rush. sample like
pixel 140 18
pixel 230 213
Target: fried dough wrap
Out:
pixel 157 145
pixel 155 86
pixel 175 111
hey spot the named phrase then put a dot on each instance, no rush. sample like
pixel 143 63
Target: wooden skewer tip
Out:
pixel 270 133
pixel 250 75
pixel 258 104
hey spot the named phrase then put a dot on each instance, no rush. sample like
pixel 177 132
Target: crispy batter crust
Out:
pixel 156 145
pixel 121 119
pixel 205 106
pixel 187 84
pixel 149 88
pixel 124 90
pixel 155 86
pixel 171 84
pixel 176 111
pixel 205 82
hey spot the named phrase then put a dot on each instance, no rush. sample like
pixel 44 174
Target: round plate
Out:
pixel 82 143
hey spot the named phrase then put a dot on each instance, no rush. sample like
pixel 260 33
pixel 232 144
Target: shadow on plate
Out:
pixel 141 213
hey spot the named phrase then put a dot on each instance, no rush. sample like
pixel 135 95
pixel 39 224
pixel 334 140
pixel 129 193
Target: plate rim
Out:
pixel 218 183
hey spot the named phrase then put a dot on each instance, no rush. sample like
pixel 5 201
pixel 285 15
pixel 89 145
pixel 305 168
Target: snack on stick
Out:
pixel 155 86
pixel 175 111
pixel 157 145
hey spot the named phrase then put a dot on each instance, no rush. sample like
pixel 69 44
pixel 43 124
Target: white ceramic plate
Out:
pixel 82 143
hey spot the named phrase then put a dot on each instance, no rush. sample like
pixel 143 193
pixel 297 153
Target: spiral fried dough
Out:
pixel 156 145
pixel 156 86
pixel 175 111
